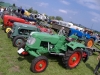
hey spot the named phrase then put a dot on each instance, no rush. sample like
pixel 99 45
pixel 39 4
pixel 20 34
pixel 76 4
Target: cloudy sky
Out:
pixel 85 12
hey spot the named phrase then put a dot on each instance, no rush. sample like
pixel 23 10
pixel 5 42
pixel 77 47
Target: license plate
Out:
pixel 20 50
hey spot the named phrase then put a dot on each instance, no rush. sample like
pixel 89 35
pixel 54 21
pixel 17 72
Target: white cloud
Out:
pixel 15 0
pixel 63 11
pixel 72 12
pixel 67 11
pixel 65 2
pixel 96 16
pixel 42 4
pixel 26 5
pixel 92 4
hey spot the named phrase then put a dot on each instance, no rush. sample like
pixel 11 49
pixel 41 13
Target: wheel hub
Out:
pixel 7 30
pixel 74 59
pixel 40 65
pixel 90 43
pixel 19 42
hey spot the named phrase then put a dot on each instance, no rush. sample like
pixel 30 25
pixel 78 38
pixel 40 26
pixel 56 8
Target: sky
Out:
pixel 84 12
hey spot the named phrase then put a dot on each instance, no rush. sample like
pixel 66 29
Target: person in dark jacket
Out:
pixel 20 10
pixel 98 65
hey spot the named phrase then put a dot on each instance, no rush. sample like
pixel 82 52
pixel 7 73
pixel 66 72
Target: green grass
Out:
pixel 13 64
pixel 0 21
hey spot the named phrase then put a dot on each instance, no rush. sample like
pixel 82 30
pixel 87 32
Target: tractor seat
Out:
pixel 70 39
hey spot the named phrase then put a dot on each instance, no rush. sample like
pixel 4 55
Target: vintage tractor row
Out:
pixel 39 43
pixel 8 21
pixel 20 32
pixel 85 36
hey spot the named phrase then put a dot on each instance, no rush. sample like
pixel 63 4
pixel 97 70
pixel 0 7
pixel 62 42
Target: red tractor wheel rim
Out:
pixel 74 59
pixel 90 43
pixel 40 65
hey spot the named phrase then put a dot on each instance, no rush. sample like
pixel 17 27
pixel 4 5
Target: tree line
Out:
pixel 51 17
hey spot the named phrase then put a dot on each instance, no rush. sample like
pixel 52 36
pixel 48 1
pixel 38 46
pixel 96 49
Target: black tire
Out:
pixel 90 51
pixel 5 30
pixel 22 46
pixel 89 42
pixel 9 34
pixel 68 58
pixel 43 60
pixel 22 41
pixel 85 55
pixel 2 27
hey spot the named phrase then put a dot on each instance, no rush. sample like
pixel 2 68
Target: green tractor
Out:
pixel 39 43
pixel 20 33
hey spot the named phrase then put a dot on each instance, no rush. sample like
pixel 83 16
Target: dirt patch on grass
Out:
pixel 1 73
pixel 1 48
pixel 15 69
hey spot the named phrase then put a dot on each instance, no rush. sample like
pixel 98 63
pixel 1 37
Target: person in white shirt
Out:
pixel 41 17
pixel 2 9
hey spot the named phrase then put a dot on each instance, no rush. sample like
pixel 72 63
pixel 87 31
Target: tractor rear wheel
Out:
pixel 89 43
pixel 18 41
pixel 39 64
pixel 71 58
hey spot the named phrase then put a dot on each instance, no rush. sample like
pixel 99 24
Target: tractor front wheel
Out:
pixel 18 41
pixel 2 27
pixel 7 29
pixel 89 43
pixel 72 58
pixel 39 64
pixel 8 34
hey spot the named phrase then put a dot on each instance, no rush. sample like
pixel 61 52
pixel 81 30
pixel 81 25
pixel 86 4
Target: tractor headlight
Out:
pixel 31 40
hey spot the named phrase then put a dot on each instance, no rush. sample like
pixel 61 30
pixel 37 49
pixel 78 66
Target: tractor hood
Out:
pixel 46 37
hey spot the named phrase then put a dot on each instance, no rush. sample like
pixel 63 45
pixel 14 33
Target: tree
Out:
pixel 35 12
pixel 52 17
pixel 30 10
pixel 2 2
pixel 59 18
pixel 14 4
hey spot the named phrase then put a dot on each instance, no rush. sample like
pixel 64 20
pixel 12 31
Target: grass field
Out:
pixel 13 64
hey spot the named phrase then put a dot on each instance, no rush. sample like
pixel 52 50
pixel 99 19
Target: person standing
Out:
pixel 21 10
pixel 98 65
pixel 0 11
pixel 62 31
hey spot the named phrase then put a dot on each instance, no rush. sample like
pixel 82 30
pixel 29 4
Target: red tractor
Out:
pixel 9 20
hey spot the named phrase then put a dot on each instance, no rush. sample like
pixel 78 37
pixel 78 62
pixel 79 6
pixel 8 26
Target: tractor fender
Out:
pixel 74 45
pixel 94 38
